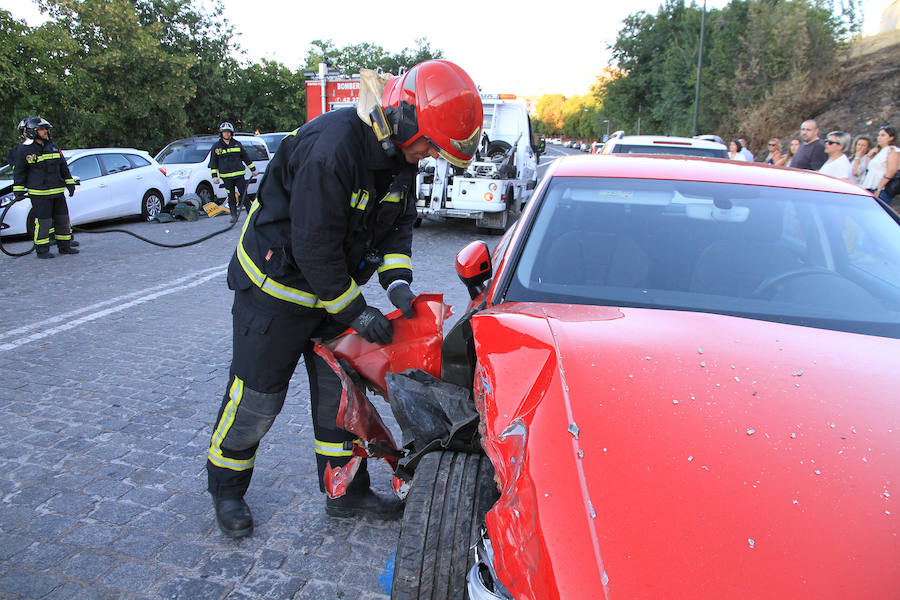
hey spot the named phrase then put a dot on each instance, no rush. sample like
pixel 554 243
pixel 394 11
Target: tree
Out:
pixel 350 59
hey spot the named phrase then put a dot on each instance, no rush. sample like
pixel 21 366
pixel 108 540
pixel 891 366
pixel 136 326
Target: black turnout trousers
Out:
pixel 269 338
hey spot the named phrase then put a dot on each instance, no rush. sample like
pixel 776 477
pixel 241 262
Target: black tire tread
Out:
pixel 445 508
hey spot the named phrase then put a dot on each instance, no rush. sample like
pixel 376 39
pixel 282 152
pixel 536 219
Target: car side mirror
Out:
pixel 473 265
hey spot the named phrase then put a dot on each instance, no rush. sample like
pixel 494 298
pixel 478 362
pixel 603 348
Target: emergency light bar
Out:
pixel 498 96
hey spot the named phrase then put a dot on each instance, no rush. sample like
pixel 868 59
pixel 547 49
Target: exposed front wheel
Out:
pixel 205 191
pixel 152 204
pixel 450 494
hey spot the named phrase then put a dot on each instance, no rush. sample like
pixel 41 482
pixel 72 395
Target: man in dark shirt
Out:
pixel 811 154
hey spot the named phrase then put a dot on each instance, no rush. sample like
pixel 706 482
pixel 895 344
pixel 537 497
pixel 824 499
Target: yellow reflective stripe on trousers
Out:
pixel 235 393
pixel 263 282
pixel 332 449
pixel 341 302
pixel 395 261
pixel 49 192
pixel 233 174
pixel 39 241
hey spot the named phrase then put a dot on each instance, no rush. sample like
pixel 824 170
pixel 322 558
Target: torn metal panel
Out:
pixel 362 365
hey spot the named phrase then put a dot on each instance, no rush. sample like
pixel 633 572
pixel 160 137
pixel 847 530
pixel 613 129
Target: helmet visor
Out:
pixel 464 147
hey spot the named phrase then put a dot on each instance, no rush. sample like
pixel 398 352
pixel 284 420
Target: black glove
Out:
pixel 18 195
pixel 373 326
pixel 71 189
pixel 402 297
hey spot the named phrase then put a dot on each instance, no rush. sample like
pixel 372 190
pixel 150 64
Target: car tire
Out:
pixel 450 494
pixel 205 191
pixel 152 204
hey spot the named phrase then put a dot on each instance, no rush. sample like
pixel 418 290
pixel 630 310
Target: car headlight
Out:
pixel 6 199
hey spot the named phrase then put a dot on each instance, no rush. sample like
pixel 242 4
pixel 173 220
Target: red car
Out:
pixel 686 380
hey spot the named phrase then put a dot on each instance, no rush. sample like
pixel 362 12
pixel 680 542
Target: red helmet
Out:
pixel 438 100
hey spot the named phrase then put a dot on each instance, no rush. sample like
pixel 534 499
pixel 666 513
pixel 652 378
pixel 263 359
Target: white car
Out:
pixel 619 143
pixel 110 183
pixel 187 163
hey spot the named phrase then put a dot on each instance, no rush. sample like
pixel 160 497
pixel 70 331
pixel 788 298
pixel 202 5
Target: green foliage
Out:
pixel 351 59
pixel 750 48
pixel 142 73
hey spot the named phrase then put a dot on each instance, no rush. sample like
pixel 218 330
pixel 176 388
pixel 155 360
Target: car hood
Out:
pixel 649 453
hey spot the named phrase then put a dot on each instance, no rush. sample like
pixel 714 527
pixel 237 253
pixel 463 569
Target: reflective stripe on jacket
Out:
pixel 227 160
pixel 40 169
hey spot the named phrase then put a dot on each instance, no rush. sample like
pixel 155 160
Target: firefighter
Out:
pixel 335 207
pixel 40 170
pixel 227 161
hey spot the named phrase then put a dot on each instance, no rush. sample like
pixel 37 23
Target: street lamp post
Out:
pixel 699 67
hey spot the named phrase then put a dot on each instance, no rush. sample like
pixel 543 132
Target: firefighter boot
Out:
pixel 365 504
pixel 233 517
pixel 66 248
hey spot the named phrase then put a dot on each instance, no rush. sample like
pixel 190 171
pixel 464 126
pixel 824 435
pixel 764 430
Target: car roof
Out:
pixel 649 140
pixel 213 136
pixel 689 168
pixel 72 153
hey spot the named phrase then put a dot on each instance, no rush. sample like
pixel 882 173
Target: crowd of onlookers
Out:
pixel 871 164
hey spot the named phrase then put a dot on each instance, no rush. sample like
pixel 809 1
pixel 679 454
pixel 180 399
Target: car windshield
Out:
pixel 6 172
pixel 670 150
pixel 185 151
pixel 810 258
pixel 273 140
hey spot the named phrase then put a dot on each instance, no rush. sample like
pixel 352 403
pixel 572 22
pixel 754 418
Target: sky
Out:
pixel 527 48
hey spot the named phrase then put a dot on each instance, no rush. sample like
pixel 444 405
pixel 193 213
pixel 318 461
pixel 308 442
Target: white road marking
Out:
pixel 68 321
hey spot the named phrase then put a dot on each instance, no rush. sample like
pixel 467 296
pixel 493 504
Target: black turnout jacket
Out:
pixel 333 207
pixel 227 160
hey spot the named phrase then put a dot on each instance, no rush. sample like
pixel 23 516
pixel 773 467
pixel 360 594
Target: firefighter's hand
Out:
pixel 373 326
pixel 71 189
pixel 253 172
pixel 216 180
pixel 402 297
pixel 19 196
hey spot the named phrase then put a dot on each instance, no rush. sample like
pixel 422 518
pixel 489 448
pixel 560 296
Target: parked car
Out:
pixel 273 140
pixel 619 143
pixel 187 163
pixel 685 374
pixel 110 183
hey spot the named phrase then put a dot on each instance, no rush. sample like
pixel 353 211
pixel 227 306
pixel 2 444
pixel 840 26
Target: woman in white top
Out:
pixel 837 165
pixel 883 165
pixel 734 151
pixel 860 160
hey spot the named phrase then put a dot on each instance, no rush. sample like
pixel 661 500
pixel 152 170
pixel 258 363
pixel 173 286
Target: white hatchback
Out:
pixel 110 183
pixel 187 160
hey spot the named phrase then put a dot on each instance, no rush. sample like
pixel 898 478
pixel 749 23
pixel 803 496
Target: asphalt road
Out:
pixel 113 364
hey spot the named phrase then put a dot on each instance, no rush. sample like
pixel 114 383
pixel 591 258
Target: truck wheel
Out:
pixel 451 492
pixel 498 148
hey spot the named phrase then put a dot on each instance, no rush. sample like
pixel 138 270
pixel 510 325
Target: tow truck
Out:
pixel 500 179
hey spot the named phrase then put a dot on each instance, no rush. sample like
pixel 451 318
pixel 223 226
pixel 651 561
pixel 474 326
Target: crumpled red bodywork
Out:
pixel 669 454
pixel 416 344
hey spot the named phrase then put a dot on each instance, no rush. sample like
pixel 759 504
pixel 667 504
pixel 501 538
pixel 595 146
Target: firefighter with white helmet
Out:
pixel 226 160
pixel 336 206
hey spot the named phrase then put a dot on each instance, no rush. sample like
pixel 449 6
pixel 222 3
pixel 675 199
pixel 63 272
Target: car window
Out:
pixel 185 151
pixel 273 141
pixel 788 255
pixel 114 163
pixel 255 150
pixel 85 167
pixel 137 160
pixel 6 172
pixel 488 110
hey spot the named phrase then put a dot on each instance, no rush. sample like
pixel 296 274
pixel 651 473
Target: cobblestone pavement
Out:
pixel 113 363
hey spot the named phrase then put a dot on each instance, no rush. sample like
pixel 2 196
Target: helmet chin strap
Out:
pixel 382 129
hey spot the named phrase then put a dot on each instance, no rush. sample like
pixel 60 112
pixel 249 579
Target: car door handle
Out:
pixel 102 185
